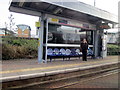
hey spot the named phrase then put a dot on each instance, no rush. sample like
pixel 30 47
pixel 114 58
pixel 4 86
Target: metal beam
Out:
pixel 24 11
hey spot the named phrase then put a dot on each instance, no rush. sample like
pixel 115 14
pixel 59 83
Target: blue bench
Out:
pixel 66 53
pixel 90 53
pixel 50 53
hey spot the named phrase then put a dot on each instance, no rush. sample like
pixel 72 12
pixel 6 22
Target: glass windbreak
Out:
pixel 89 36
pixel 60 34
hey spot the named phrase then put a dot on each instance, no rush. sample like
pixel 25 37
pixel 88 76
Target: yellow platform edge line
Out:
pixel 51 67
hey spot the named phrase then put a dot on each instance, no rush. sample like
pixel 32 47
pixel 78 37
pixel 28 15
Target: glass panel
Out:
pixel 89 36
pixel 60 34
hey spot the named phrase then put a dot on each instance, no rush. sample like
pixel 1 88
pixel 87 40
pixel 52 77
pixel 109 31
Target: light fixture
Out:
pixel 57 10
pixel 21 3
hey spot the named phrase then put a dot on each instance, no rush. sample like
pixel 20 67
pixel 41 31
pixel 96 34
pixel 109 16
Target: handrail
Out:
pixel 64 45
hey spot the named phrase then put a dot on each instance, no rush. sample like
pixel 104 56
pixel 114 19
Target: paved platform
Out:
pixel 25 68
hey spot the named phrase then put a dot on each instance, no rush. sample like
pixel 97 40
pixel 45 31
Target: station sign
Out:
pixel 73 23
pixel 85 25
pixel 63 21
pixel 104 26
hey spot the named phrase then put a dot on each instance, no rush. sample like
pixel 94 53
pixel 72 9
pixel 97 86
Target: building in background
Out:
pixel 23 30
pixel 6 32
pixel 2 32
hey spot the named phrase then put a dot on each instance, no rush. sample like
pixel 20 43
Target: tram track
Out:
pixel 89 79
pixel 61 80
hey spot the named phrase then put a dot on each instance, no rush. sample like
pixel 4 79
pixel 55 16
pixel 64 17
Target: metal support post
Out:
pixel 46 40
pixel 40 39
pixel 96 43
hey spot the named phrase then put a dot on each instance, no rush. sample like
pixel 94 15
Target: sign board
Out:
pixel 86 26
pixel 54 20
pixel 73 23
pixel 104 26
pixel 104 43
pixel 63 21
pixel 104 46
pixel 37 24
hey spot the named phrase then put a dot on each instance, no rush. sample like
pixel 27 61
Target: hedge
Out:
pixel 17 48
pixel 113 49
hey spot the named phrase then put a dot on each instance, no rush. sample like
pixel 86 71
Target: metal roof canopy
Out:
pixel 73 10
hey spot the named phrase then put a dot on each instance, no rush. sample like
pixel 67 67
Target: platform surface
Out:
pixel 31 67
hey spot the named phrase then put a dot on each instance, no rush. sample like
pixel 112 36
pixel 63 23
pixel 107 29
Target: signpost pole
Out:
pixel 46 46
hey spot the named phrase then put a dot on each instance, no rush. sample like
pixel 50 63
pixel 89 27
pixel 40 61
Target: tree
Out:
pixel 10 26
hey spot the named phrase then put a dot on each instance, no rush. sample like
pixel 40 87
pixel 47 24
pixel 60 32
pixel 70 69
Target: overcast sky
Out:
pixel 108 5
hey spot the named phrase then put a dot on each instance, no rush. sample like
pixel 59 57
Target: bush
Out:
pixel 12 52
pixel 16 48
pixel 113 49
pixel 7 53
